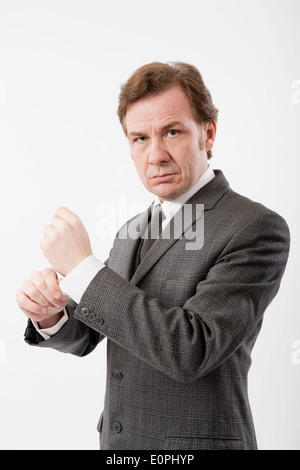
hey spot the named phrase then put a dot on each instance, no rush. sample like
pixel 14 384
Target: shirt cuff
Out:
pixel 77 281
pixel 47 333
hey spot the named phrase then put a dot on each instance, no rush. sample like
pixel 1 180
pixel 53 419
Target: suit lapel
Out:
pixel 128 245
pixel 208 195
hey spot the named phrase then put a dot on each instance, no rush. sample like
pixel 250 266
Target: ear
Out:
pixel 210 129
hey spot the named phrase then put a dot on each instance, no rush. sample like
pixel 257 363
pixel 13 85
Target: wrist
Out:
pixel 49 322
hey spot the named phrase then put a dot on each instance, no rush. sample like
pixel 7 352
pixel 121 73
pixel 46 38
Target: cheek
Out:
pixel 141 167
pixel 183 159
pixel 189 165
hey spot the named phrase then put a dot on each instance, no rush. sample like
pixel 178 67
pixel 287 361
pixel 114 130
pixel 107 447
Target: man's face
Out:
pixel 168 147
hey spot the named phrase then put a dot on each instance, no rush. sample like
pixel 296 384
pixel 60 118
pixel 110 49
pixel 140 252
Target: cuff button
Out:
pixel 85 311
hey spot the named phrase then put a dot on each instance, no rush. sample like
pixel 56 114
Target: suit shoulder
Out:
pixel 247 210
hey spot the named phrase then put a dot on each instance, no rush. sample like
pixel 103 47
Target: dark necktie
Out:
pixel 153 231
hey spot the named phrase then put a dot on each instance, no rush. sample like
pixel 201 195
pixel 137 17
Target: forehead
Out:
pixel 170 105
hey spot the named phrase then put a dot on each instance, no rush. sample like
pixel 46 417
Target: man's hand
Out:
pixel 66 241
pixel 41 299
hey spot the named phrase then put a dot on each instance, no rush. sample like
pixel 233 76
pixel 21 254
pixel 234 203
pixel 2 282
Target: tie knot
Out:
pixel 157 210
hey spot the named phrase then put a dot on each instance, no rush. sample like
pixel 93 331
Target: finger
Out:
pixel 64 296
pixel 36 317
pixel 40 283
pixel 26 303
pixel 49 231
pixel 33 293
pixel 50 277
pixel 58 223
pixel 67 215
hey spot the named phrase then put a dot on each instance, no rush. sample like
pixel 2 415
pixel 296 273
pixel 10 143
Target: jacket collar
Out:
pixel 212 192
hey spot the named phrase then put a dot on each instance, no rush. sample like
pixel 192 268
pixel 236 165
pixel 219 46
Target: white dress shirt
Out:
pixel 77 281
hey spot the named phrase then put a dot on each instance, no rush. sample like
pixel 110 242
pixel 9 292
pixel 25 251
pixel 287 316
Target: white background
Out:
pixel 61 65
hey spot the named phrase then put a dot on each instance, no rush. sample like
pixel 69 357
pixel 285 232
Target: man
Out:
pixel 180 321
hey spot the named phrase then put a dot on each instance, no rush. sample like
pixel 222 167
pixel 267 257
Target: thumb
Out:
pixel 64 295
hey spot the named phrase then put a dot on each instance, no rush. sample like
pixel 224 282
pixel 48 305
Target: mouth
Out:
pixel 162 178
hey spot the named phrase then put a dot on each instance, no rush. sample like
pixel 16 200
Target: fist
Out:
pixel 41 299
pixel 66 241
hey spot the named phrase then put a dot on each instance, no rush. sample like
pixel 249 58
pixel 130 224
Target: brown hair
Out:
pixel 157 77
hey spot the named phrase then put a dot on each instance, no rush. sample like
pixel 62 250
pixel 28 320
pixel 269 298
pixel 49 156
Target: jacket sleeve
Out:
pixel 74 337
pixel 188 342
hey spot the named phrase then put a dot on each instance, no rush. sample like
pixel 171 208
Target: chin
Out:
pixel 166 195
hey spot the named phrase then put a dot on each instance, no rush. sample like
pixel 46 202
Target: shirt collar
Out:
pixel 171 207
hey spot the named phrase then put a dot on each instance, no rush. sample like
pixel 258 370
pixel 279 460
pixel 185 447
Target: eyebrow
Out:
pixel 170 125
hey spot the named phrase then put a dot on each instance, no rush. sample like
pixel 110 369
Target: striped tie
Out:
pixel 154 230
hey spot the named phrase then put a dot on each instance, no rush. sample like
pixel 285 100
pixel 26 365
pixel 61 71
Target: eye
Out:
pixel 140 139
pixel 173 132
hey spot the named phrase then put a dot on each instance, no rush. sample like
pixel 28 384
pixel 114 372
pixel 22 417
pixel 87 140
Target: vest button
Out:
pixel 117 426
pixel 117 375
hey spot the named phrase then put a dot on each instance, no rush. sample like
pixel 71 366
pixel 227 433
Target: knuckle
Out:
pixel 49 276
pixel 36 278
pixel 46 272
pixel 59 210
pixel 26 285
pixel 31 291
pixel 55 222
pixel 40 284
pixel 34 274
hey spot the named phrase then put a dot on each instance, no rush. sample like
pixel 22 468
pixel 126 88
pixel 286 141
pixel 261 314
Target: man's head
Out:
pixel 170 120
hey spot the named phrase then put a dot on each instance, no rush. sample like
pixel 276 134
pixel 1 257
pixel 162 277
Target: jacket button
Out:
pixel 99 320
pixel 91 316
pixel 85 311
pixel 117 426
pixel 117 375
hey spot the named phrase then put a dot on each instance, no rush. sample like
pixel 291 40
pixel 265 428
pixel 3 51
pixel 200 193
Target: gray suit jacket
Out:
pixel 180 328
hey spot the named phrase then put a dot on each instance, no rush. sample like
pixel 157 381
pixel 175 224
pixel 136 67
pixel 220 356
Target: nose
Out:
pixel 158 153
